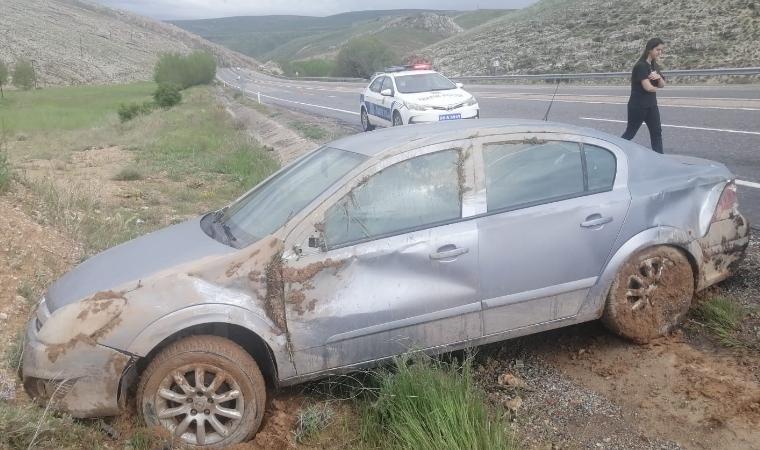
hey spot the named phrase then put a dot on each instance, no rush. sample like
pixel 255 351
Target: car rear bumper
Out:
pixel 723 249
pixel 79 378
pixel 469 112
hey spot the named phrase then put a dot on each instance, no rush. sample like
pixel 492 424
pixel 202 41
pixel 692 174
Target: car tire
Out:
pixel 366 126
pixel 650 295
pixel 397 120
pixel 231 402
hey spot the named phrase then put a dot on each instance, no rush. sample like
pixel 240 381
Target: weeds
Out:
pixel 428 404
pixel 6 171
pixel 14 352
pixel 309 131
pixel 130 173
pixel 722 315
pixel 311 421
pixel 24 427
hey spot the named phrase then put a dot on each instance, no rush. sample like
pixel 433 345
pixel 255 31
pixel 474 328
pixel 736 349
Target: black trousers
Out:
pixel 651 116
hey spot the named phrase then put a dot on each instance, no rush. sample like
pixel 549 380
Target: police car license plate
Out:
pixel 449 117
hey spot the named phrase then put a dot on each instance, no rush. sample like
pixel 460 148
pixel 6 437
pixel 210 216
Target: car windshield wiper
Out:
pixel 227 232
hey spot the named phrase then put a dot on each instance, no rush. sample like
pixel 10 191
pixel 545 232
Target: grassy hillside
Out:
pixel 555 36
pixel 228 26
pixel 472 19
pixel 74 42
pixel 290 38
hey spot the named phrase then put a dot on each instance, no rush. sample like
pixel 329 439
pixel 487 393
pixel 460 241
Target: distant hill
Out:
pixel 77 42
pixel 290 38
pixel 573 36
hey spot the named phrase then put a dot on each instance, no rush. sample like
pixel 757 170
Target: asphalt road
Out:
pixel 721 123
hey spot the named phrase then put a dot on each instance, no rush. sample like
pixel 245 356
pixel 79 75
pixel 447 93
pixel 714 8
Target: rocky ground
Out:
pixel 574 388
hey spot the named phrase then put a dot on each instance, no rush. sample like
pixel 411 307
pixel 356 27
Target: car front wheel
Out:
pixel 366 126
pixel 205 390
pixel 397 120
pixel 650 295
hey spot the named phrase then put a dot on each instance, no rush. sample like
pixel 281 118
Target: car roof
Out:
pixel 385 140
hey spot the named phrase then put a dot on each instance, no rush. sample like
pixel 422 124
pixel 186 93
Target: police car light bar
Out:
pixel 418 66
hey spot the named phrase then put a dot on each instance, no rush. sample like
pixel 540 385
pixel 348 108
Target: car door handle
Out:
pixel 450 253
pixel 595 220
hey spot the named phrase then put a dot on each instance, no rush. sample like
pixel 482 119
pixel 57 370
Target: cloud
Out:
pixel 206 9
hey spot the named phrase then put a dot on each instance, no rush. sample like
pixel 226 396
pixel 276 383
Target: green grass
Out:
pixel 14 351
pixel 29 426
pixel 198 138
pixel 431 405
pixel 67 108
pixel 311 421
pixel 309 131
pixel 722 316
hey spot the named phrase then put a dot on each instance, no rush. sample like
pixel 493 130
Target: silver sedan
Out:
pixel 428 238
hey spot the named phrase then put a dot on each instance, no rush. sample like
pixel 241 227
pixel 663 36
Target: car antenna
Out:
pixel 546 117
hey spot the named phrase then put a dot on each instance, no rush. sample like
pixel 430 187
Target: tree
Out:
pixel 363 57
pixel 3 77
pixel 23 75
pixel 186 71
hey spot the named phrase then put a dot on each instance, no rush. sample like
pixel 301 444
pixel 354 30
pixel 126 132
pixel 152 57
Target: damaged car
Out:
pixel 430 238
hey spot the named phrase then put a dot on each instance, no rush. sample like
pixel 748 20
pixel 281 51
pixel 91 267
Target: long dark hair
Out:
pixel 652 43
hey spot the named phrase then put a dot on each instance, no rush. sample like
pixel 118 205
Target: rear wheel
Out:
pixel 206 390
pixel 397 120
pixel 650 295
pixel 366 126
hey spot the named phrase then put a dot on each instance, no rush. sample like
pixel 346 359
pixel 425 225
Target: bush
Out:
pixel 363 57
pixel 134 109
pixel 23 75
pixel 186 71
pixel 167 95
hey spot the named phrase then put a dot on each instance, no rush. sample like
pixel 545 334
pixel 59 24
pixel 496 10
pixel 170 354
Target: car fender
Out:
pixel 593 307
pixel 211 313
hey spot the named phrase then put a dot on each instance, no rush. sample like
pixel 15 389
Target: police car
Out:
pixel 414 94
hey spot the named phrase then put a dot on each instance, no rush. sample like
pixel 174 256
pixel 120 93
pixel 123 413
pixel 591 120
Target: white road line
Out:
pixel 756 133
pixel 616 103
pixel 748 184
pixel 739 182
pixel 304 104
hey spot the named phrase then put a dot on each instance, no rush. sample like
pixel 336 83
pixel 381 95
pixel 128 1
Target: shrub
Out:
pixel 362 57
pixel 134 109
pixel 23 75
pixel 167 95
pixel 186 71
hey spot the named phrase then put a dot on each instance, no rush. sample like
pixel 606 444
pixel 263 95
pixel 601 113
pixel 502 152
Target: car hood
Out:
pixel 134 260
pixel 438 98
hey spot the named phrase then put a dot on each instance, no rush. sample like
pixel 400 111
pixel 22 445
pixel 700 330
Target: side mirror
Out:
pixel 459 85
pixel 386 92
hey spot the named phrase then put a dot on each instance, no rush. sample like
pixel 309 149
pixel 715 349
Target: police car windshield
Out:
pixel 423 82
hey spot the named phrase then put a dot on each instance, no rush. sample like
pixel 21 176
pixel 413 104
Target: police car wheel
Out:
pixel 366 126
pixel 397 120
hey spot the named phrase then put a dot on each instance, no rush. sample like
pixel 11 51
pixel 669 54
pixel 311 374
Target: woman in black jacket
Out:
pixel 646 79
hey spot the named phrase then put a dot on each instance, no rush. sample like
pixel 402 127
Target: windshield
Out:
pixel 423 82
pixel 265 208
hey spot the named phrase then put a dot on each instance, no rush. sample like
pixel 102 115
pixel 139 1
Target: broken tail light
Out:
pixel 728 204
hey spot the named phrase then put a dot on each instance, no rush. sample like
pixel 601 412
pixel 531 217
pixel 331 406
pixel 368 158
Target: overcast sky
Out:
pixel 207 9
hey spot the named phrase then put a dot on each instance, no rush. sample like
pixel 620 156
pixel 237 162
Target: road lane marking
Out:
pixel 726 108
pixel 748 184
pixel 739 182
pixel 756 133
